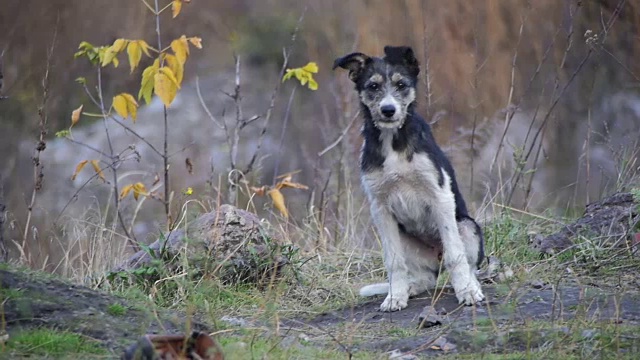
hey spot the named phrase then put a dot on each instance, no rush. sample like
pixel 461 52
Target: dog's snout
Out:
pixel 388 110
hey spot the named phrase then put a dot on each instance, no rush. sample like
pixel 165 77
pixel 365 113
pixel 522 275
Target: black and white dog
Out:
pixel 415 202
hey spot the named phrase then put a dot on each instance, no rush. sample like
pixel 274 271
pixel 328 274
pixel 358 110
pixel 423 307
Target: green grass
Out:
pixel 51 343
pixel 255 346
pixel 116 309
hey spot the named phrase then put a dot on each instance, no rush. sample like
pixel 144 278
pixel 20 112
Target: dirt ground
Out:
pixel 36 300
pixel 511 319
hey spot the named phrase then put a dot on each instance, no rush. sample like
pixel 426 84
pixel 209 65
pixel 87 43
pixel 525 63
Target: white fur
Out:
pixel 374 289
pixel 403 191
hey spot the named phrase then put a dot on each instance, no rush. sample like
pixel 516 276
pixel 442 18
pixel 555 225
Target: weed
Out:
pixel 51 342
pixel 116 309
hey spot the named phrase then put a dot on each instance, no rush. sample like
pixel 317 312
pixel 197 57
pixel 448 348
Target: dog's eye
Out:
pixel 373 86
pixel 401 85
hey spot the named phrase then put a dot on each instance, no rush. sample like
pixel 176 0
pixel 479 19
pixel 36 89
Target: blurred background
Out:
pixel 536 102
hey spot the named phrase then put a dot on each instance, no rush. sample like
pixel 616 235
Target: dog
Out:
pixel 415 202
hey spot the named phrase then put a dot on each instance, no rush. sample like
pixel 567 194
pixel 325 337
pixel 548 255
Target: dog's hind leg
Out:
pixel 471 236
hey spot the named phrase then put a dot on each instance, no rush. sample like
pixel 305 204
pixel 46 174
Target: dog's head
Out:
pixel 387 86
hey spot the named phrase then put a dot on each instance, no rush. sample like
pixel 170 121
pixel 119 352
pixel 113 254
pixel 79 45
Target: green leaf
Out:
pixel 63 133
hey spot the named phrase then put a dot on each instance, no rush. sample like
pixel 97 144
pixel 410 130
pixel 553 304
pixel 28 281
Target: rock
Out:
pixel 610 219
pixel 399 355
pixel 430 317
pixel 230 240
pixel 235 321
pixel 538 284
pixel 495 272
pixel 441 343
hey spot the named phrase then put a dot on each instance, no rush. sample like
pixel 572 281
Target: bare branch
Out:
pixel 340 137
pixel 285 54
pixel 204 106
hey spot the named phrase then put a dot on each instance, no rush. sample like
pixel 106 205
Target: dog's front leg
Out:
pixel 463 279
pixel 394 259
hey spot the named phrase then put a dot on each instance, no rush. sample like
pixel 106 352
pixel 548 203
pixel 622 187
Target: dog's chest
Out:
pixel 406 186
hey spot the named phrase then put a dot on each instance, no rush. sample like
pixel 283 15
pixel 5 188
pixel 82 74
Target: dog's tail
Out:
pixel 374 289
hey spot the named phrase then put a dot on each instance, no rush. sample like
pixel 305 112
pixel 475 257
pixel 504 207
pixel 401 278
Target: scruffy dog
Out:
pixel 415 202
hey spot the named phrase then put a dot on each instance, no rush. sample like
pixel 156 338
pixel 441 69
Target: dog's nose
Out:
pixel 388 110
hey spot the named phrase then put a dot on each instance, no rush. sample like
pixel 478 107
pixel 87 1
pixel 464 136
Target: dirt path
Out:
pixel 510 320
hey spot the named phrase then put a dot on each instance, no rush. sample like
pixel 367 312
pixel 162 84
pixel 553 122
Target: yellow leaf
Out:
pixel 188 191
pixel 196 41
pixel 125 191
pixel 278 201
pixel 79 167
pixel 134 50
pixel 288 75
pixel 165 88
pixel 287 183
pixel 180 47
pixel 75 115
pixel 96 167
pixel 139 189
pixel 145 47
pixel 132 105
pixel 112 51
pixel 119 45
pixel 169 73
pixel 107 56
pixel 313 85
pixel 120 105
pixel 304 75
pixel 176 6
pixel 146 86
pixel 311 67
pixel 176 67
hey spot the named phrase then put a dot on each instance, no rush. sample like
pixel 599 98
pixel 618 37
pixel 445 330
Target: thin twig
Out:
pixel 340 137
pixel 114 161
pixel 274 94
pixel 134 133
pixel 204 106
pixel 509 114
pixel 41 145
pixel 287 114
pixel 165 153
pixel 235 140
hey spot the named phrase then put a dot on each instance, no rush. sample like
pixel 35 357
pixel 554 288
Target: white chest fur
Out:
pixel 406 188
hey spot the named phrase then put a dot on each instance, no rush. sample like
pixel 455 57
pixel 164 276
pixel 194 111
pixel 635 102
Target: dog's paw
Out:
pixel 471 294
pixel 394 303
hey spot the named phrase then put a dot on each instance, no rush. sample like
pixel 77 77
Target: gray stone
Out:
pixel 231 241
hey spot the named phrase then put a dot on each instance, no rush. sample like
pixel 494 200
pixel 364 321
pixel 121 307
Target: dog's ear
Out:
pixel 402 55
pixel 354 62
